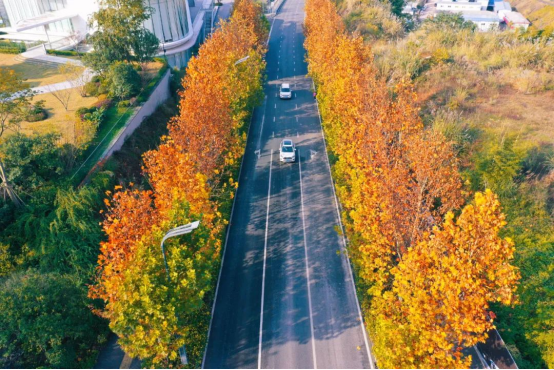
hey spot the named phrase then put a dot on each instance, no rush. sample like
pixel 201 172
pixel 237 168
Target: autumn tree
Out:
pixel 396 181
pixel 442 290
pixel 190 177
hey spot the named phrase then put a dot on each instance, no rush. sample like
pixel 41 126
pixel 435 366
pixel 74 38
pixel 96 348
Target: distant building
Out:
pixel 514 19
pixel 410 8
pixel 502 5
pixel 485 21
pixel 60 23
pixel 459 6
pixel 4 20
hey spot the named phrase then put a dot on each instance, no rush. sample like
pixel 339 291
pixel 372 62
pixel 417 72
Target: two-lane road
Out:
pixel 285 296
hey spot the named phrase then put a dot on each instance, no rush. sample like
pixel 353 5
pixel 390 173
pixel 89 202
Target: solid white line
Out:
pixel 265 258
pixel 344 239
pixel 307 264
pixel 225 246
pixel 510 353
pixel 271 29
pixel 481 358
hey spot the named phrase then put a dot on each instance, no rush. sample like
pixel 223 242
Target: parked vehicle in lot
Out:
pixel 285 92
pixel 287 151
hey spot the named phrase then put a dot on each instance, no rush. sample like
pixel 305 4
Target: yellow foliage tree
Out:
pixel 442 289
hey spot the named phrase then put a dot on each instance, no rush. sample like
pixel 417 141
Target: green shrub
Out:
pixel 91 88
pixel 124 104
pixel 36 112
pixel 68 53
pixel 9 47
pixel 95 116
pixel 124 81
pixel 79 113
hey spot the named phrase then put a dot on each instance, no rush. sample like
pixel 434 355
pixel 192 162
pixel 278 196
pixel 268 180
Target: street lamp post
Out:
pixel 242 60
pixel 181 230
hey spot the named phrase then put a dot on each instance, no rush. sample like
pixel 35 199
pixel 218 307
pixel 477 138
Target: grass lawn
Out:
pixel 34 74
pixel 59 120
pixel 113 122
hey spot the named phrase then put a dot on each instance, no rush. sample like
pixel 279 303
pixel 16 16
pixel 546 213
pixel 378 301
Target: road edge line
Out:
pixel 265 258
pixel 344 238
pixel 306 258
pixel 225 245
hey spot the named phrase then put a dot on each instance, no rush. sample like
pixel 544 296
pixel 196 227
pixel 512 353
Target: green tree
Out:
pixel 14 100
pixel 45 322
pixel 448 21
pixel 31 161
pixel 144 45
pixel 118 25
pixel 124 80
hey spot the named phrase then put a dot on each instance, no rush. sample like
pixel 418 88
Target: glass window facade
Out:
pixel 24 9
pixel 169 19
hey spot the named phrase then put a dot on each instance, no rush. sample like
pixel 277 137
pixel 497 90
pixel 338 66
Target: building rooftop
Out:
pixel 481 16
pixel 515 17
pixel 502 5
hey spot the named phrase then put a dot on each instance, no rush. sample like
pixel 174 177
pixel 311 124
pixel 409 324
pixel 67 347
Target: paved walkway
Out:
pixel 112 357
pixel 39 54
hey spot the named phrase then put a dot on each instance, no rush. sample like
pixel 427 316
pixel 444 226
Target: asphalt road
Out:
pixel 285 296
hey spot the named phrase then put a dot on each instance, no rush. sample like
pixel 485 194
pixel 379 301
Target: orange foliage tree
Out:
pixel 190 174
pixel 395 179
pixel 442 289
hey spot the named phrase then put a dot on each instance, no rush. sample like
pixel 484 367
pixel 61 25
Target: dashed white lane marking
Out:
pixel 296 118
pixel 273 118
pixel 344 239
pixel 223 255
pixel 265 258
pixel 306 258
pixel 275 106
pixel 296 104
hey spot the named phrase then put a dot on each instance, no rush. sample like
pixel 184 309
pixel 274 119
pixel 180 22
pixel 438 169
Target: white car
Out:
pixel 285 92
pixel 287 151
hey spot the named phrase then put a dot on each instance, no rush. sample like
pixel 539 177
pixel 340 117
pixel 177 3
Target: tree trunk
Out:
pixel 8 188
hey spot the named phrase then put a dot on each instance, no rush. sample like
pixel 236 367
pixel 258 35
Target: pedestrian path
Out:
pixel 39 54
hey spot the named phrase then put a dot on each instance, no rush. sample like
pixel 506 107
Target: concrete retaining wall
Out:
pixel 159 95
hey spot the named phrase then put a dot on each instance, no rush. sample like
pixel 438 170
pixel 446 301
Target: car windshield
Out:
pixel 287 149
pixel 285 89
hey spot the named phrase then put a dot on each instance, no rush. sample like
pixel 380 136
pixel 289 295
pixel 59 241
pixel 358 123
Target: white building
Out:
pixel 502 5
pixel 514 19
pixel 61 22
pixel 459 6
pixel 485 21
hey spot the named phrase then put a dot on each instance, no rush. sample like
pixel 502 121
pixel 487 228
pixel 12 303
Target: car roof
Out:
pixel 287 142
pixel 285 85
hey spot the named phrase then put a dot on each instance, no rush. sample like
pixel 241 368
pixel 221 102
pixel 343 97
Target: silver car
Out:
pixel 287 151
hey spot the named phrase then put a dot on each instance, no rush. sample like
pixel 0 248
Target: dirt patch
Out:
pixel 531 115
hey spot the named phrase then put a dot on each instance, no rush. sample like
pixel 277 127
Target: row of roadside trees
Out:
pixel 428 264
pixel 49 229
pixel 191 177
